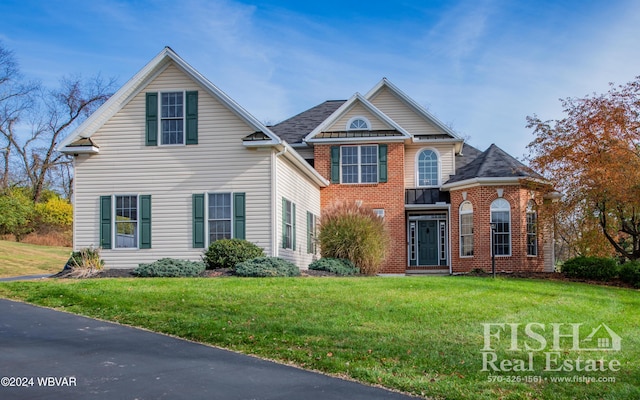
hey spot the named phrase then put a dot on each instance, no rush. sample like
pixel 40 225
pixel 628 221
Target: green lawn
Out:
pixel 420 335
pixel 28 259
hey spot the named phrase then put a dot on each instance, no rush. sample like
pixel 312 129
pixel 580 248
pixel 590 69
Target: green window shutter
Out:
pixel 382 163
pixel 309 232
pixel 151 131
pixel 105 222
pixel 284 223
pixel 192 118
pixel 239 216
pixel 335 164
pixel 293 226
pixel 145 222
pixel 198 221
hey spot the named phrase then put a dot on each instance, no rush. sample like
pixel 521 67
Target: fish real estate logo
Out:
pixel 551 347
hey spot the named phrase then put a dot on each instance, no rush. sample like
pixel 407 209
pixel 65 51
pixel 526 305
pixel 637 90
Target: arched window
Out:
pixel 501 217
pixel 358 124
pixel 428 168
pixel 466 229
pixel 532 229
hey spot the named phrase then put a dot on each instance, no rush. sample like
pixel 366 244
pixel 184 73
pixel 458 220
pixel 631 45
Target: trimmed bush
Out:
pixel 338 266
pixel 266 267
pixel 596 268
pixel 169 267
pixel 630 273
pixel 227 253
pixel 355 233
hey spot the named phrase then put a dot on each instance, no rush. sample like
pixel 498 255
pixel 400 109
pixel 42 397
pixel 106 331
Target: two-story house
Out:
pixel 170 163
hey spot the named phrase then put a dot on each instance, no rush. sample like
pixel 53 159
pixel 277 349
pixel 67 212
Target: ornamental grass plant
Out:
pixel 354 232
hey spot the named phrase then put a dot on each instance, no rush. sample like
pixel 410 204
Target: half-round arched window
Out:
pixel 428 168
pixel 358 124
pixel 466 229
pixel 501 217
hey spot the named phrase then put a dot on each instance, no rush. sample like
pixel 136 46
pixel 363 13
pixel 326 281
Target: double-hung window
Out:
pixel 172 117
pixel 288 224
pixel 217 216
pixel 220 213
pixel 126 222
pixel 359 164
pixel 311 233
pixel 466 229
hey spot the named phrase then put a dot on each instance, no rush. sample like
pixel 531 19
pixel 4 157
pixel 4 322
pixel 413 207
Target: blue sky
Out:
pixel 480 66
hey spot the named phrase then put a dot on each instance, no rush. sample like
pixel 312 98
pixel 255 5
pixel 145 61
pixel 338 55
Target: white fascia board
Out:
pixel 411 103
pixel 260 143
pixel 469 183
pixel 79 150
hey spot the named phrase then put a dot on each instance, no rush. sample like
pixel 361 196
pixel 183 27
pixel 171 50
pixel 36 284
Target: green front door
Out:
pixel 427 243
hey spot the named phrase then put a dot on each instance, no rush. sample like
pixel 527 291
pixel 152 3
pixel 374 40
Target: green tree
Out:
pixel 16 213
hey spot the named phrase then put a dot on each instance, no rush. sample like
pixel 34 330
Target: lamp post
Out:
pixel 494 226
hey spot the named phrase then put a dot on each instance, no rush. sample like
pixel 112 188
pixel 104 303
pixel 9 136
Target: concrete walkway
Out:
pixel 72 357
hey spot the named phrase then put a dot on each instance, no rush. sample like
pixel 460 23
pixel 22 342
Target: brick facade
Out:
pixel 388 196
pixel 481 198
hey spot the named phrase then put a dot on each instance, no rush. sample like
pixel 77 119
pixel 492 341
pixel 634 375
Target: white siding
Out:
pixel 171 174
pixel 306 196
pixel 446 162
pixel 403 115
pixel 357 111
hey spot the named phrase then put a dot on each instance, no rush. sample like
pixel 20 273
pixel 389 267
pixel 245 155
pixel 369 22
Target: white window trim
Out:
pixel 460 214
pixel 207 219
pixel 379 212
pixel 359 146
pixel 491 210
pixel 417 169
pixel 365 119
pixel 290 224
pixel 184 118
pixel 114 234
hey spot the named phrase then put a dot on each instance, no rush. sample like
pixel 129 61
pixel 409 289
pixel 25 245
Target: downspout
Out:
pixel 274 206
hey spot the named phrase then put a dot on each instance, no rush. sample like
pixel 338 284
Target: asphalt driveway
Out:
pixel 47 354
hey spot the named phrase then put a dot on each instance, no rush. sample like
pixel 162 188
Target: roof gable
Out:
pixel 331 124
pixel 139 81
pixel 386 85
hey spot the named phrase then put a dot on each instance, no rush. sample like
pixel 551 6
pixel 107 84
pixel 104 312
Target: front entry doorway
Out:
pixel 428 240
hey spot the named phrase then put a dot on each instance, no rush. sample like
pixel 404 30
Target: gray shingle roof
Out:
pixel 294 129
pixel 493 163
